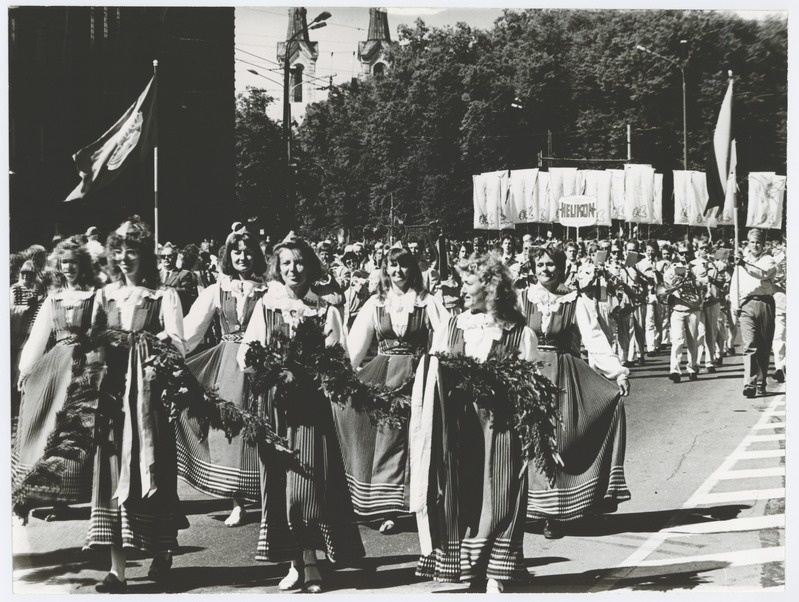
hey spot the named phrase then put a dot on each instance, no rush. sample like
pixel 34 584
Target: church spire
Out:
pixel 373 52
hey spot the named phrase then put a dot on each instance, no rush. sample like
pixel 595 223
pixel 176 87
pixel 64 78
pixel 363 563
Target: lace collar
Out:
pixel 541 297
pixel 402 302
pixel 277 297
pixel 131 294
pixel 247 288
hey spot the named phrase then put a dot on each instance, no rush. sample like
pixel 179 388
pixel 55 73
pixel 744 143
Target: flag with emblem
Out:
pixel 721 165
pixel 128 141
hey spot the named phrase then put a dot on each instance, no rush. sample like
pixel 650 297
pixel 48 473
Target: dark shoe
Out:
pixel 750 391
pixel 553 529
pixel 642 361
pixel 761 389
pixel 779 376
pixel 160 567
pixel 628 364
pixel 111 585
pixel 674 377
pixel 692 376
pixel 720 361
pixel 312 580
pixel 711 369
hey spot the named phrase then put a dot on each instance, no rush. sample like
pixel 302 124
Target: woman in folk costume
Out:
pixel 134 494
pixel 215 465
pixel 301 513
pixel 46 370
pixel 470 492
pixel 403 316
pixel 591 438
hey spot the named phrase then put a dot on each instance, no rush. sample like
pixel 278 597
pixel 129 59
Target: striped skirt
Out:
pixel 216 466
pixel 375 458
pixel 591 442
pixel 43 396
pixel 311 511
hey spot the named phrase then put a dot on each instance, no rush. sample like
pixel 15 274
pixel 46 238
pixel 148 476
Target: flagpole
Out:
pixel 155 174
pixel 735 230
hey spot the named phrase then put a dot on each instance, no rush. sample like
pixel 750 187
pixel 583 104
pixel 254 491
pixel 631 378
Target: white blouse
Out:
pixel 293 311
pixel 479 333
pixel 204 309
pixel 36 345
pixel 399 308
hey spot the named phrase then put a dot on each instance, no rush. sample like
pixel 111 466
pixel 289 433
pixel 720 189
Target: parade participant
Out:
pixel 479 487
pixel 430 276
pixel 572 265
pixel 634 315
pixel 591 438
pixel 375 258
pixel 684 297
pixel 713 282
pixel 403 317
pixel 650 268
pixel 25 298
pixel 215 465
pixel 527 244
pixel 134 491
pixel 179 279
pixel 45 372
pixel 301 513
pixel 507 249
pixel 780 311
pixel 93 244
pixel 752 298
pixel 356 293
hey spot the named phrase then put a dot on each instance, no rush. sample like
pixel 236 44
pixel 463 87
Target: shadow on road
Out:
pixel 641 522
pixel 668 577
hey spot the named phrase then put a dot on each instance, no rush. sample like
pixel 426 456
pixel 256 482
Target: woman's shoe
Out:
pixel 494 586
pixel 553 529
pixel 388 527
pixel 160 566
pixel 111 585
pixel 292 580
pixel 312 578
pixel 236 517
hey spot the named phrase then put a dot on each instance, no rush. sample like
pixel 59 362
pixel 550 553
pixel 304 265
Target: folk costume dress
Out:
pixel 375 458
pixel 592 435
pixel 301 511
pixel 468 482
pixel 47 363
pixel 215 465
pixel 134 491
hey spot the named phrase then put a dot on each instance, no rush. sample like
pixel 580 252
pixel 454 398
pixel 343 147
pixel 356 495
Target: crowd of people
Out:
pixel 585 311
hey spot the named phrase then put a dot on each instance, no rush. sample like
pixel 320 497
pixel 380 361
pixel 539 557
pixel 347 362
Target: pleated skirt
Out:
pixel 591 442
pixel 376 458
pixel 216 466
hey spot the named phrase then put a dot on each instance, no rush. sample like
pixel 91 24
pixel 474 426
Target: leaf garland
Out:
pixel 518 397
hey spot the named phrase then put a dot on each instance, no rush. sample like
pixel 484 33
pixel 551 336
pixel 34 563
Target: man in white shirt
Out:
pixel 752 299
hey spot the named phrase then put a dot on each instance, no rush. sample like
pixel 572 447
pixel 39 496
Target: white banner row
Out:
pixel 634 194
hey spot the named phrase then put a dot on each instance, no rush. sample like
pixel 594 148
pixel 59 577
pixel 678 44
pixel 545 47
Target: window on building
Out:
pixel 296 83
pixel 379 69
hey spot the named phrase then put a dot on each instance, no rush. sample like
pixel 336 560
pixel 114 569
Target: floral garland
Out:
pixel 74 435
pixel 300 365
pixel 518 397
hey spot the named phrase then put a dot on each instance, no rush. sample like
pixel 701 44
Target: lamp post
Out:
pixel 684 115
pixel 318 21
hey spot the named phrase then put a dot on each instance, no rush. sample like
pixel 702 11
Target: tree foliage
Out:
pixel 458 101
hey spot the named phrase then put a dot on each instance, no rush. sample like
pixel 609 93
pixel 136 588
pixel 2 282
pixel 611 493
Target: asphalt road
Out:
pixel 706 467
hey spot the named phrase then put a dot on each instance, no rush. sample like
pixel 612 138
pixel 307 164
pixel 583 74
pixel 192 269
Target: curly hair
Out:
pixel 86 279
pixel 502 302
pixel 134 234
pixel 311 261
pixel 253 246
pixel 556 254
pixel 406 260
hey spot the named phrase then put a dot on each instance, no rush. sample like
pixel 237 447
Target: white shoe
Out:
pixel 494 586
pixel 291 580
pixel 236 517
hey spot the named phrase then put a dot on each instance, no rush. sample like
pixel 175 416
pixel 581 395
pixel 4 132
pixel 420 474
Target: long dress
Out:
pixel 300 511
pixel 134 490
pixel 592 435
pixel 47 362
pixel 376 459
pixel 215 465
pixel 470 492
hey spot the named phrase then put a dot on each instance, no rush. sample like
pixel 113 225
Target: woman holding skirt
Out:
pixel 403 317
pixel 47 369
pixel 301 513
pixel 134 491
pixel 470 494
pixel 591 437
pixel 215 465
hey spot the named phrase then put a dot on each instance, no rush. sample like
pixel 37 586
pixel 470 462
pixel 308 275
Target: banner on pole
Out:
pixel 766 199
pixel 577 211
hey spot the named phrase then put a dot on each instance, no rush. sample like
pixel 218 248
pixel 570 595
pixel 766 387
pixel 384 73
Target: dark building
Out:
pixel 73 71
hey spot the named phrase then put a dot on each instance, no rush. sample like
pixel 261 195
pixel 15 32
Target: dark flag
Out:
pixel 721 163
pixel 128 140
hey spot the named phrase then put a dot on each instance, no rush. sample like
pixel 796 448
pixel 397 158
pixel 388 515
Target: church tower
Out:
pixel 302 61
pixel 373 52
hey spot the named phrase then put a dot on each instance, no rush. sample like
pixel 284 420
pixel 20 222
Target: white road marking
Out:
pixel 754 473
pixel 730 559
pixel 758 438
pixel 724 526
pixel 768 425
pixel 760 453
pixel 737 496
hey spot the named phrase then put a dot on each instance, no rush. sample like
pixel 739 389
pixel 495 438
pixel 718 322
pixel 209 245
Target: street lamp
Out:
pixel 684 118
